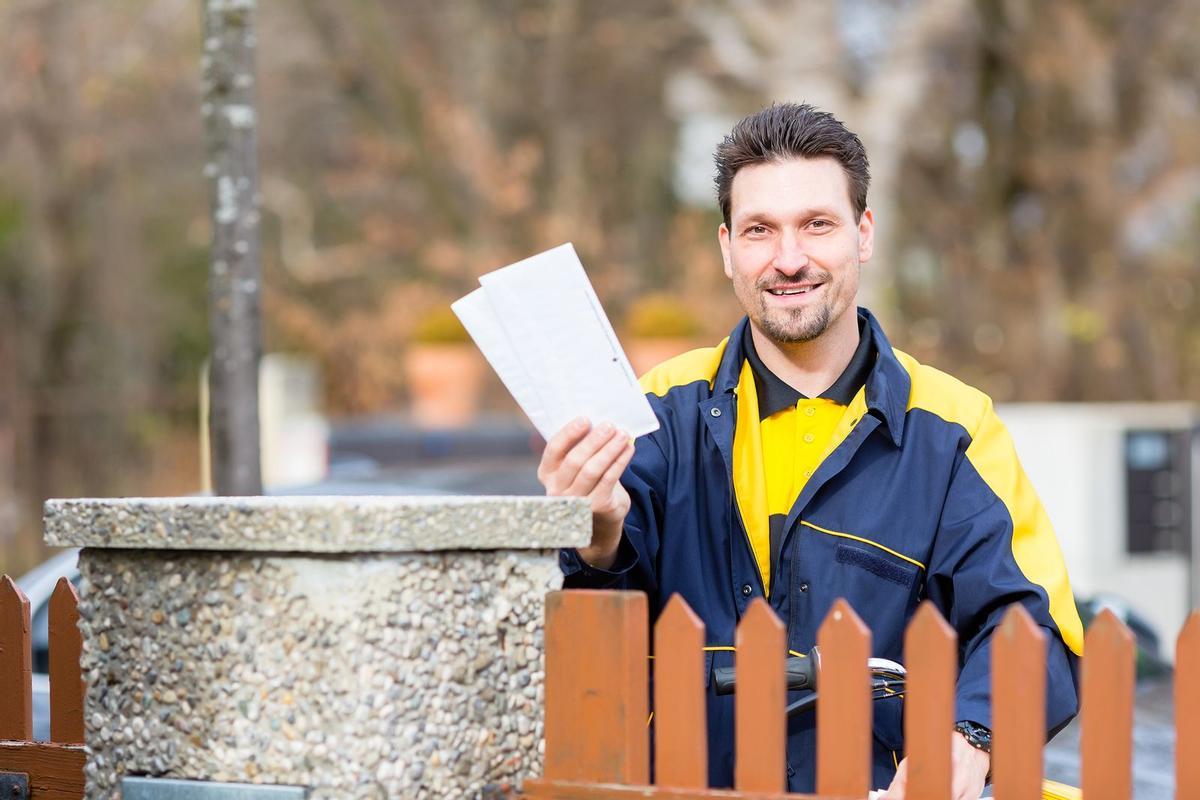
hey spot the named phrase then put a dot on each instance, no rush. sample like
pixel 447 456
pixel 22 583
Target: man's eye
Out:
pixel 820 224
pixel 756 229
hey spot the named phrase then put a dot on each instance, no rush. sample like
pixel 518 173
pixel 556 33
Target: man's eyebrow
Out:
pixel 807 213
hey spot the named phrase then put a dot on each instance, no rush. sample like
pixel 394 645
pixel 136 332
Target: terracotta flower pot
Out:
pixel 645 354
pixel 445 383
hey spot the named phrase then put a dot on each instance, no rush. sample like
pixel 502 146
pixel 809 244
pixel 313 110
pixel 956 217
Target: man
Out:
pixel 804 459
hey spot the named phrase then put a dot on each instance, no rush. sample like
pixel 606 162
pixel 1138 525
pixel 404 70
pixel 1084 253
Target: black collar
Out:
pixel 774 394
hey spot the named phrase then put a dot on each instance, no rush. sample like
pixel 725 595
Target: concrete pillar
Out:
pixel 362 647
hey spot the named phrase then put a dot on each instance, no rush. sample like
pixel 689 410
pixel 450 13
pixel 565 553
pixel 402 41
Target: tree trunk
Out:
pixel 235 272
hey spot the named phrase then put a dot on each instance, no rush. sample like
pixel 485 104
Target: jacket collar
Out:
pixel 888 384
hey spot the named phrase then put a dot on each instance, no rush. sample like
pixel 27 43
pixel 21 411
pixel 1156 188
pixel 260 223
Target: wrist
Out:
pixel 978 737
pixel 606 540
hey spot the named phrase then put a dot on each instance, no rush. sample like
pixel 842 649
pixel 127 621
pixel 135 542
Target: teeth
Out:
pixel 786 292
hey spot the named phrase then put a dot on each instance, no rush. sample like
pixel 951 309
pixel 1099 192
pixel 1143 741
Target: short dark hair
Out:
pixel 792 130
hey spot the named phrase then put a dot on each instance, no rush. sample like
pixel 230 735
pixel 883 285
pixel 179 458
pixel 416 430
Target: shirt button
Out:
pixel 808 412
pixel 746 590
pixel 804 587
pixel 808 438
pixel 716 412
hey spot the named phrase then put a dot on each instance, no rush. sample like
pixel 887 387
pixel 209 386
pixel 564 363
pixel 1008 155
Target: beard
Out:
pixel 794 327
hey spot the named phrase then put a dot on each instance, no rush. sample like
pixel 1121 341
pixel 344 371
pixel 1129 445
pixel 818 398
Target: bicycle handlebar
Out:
pixel 801 674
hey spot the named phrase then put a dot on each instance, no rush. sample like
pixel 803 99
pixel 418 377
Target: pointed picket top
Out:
pixel 1106 743
pixel 844 687
pixel 66 679
pixel 16 663
pixel 680 721
pixel 1187 705
pixel 1018 706
pixel 931 656
pixel 760 723
pixel 1018 625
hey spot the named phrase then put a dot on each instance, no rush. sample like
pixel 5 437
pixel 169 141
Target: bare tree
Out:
pixel 235 273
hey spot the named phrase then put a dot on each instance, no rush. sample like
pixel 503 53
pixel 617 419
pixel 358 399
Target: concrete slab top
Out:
pixel 320 524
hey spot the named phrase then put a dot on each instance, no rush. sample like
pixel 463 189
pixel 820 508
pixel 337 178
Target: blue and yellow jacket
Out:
pixel 920 496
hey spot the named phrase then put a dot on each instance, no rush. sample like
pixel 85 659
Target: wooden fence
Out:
pixel 54 769
pixel 597 704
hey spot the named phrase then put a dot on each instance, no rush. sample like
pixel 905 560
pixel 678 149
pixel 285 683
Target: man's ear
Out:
pixel 723 238
pixel 866 236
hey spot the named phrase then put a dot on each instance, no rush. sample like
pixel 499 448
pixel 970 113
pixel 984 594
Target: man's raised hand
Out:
pixel 582 460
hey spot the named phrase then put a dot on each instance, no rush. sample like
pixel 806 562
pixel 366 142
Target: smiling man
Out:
pixel 804 459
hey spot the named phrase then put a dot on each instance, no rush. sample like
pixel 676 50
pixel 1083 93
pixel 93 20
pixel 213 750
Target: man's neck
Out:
pixel 810 367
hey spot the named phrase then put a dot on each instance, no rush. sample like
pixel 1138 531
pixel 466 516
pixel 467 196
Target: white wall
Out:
pixel 1074 455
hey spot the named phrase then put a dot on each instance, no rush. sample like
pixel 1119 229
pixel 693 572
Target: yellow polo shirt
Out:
pixel 774 459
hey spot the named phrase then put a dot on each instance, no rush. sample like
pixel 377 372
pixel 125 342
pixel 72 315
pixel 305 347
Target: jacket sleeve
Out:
pixel 995 546
pixel 634 568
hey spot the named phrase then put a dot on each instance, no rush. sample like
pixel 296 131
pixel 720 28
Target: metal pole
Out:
pixel 235 273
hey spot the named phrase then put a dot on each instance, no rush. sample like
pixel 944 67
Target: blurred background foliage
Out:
pixel 1036 178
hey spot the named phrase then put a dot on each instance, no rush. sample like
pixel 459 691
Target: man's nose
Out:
pixel 791 255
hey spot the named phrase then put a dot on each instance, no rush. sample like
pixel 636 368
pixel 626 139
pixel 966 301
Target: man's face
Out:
pixel 793 248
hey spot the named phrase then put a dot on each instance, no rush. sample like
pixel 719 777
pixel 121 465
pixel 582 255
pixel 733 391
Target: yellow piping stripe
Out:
pixel 864 541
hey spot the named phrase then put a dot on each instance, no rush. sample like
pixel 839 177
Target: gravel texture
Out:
pixel 320 524
pixel 368 676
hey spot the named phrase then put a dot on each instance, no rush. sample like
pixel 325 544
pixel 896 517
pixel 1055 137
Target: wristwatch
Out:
pixel 976 735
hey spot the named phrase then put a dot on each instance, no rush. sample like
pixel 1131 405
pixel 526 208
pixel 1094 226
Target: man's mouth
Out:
pixel 789 291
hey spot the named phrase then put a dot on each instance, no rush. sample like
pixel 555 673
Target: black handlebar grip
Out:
pixel 724 680
pixel 801 674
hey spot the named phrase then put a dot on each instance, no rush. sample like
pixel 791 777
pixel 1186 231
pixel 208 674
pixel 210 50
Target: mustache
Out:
pixel 807 275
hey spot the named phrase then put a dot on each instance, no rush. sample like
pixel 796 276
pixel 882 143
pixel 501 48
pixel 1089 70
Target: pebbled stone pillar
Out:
pixel 361 647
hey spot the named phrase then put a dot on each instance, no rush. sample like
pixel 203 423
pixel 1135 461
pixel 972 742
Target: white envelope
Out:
pixel 541 327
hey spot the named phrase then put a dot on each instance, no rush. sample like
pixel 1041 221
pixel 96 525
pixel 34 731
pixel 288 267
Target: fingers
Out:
pixel 558 447
pixel 594 465
pixel 608 481
pixel 579 457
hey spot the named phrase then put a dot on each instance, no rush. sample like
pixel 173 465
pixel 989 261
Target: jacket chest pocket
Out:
pixel 881 586
pixel 882 566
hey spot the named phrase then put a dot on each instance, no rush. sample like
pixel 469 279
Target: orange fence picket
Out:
pixel 760 724
pixel 54 770
pixel 844 705
pixel 931 657
pixel 1187 706
pixel 16 664
pixel 1107 696
pixel 680 722
pixel 597 693
pixel 66 679
pixel 1018 706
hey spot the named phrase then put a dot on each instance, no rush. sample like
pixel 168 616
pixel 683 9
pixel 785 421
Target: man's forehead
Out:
pixel 791 185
